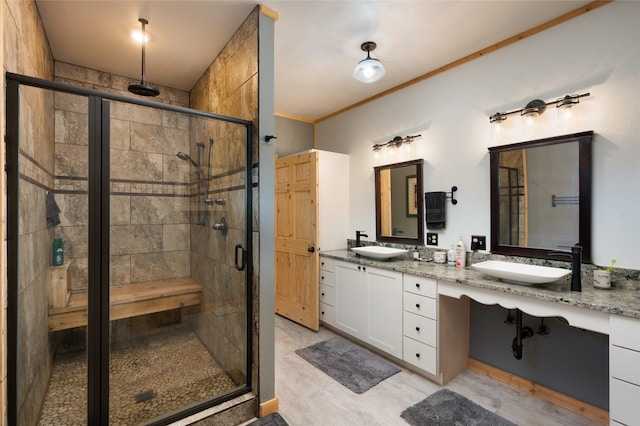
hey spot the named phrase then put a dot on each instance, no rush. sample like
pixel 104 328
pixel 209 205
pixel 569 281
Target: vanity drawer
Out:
pixel 420 285
pixel 326 264
pixel 421 355
pixel 327 295
pixel 326 278
pixel 420 328
pixel 420 305
pixel 623 402
pixel 624 364
pixel 625 332
pixel 327 314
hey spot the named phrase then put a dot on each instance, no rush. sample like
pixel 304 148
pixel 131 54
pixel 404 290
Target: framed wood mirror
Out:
pixel 541 196
pixel 399 206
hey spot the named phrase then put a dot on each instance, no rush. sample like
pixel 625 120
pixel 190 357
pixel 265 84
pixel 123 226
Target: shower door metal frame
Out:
pixel 98 322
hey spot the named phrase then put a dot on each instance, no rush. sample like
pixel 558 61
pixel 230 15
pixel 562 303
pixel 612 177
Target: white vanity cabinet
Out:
pixel 624 369
pixel 368 305
pixel 327 294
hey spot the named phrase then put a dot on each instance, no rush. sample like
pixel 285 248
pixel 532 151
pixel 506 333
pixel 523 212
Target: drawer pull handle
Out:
pixel 418 305
pixel 359 268
pixel 364 268
pixel 322 294
pixel 417 355
pixel 322 263
pixel 417 285
pixel 322 277
pixel 418 329
pixel 322 312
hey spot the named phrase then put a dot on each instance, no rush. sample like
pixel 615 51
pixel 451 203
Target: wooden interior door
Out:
pixel 297 283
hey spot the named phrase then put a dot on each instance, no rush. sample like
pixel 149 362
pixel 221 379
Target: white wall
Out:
pixel 598 52
pixel 293 136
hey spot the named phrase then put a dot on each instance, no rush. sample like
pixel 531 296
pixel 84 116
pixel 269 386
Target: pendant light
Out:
pixel 143 89
pixel 368 70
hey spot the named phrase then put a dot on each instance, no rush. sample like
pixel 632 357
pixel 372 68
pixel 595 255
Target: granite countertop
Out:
pixel 618 301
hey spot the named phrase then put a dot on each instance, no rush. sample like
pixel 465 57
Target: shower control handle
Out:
pixel 221 226
pixel 242 258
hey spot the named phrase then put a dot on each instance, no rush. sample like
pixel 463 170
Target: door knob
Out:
pixel 311 249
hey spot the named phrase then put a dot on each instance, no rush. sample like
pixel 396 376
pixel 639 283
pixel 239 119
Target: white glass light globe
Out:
pixel 368 71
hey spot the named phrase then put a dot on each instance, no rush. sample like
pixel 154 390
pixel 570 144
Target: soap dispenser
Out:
pixel 451 256
pixel 461 254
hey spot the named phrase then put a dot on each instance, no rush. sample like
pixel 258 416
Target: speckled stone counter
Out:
pixel 619 301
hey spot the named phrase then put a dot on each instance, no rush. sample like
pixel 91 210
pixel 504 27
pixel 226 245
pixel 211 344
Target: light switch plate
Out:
pixel 432 238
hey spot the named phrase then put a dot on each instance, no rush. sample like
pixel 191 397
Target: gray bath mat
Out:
pixel 447 408
pixel 347 364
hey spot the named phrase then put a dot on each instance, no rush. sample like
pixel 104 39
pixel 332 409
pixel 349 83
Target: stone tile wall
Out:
pixel 228 87
pixel 150 187
pixel 26 51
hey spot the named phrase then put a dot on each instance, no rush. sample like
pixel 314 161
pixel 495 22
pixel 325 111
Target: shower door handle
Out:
pixel 240 265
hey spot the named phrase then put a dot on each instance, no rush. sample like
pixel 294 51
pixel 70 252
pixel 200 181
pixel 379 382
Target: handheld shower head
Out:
pixel 181 155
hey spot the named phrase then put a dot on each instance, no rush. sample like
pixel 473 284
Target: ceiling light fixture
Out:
pixel 537 107
pixel 137 36
pixel 368 70
pixel 143 89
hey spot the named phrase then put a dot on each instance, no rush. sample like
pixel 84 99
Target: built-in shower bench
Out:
pixel 129 301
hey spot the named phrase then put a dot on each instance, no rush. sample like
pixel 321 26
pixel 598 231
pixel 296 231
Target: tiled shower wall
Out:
pixel 150 185
pixel 26 51
pixel 228 87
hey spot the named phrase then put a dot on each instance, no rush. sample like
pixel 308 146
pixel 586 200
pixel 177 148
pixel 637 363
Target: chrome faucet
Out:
pixel 360 234
pixel 576 260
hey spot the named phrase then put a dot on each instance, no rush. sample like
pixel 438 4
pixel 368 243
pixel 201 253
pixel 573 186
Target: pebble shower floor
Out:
pixel 145 381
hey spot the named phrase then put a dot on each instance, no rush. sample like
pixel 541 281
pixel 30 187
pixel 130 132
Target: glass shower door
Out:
pixel 178 310
pixel 48 291
pixel 143 318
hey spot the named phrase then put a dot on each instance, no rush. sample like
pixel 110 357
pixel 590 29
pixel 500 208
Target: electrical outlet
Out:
pixel 478 242
pixel 432 238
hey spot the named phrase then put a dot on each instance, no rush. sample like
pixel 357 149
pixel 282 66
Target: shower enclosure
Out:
pixel 148 318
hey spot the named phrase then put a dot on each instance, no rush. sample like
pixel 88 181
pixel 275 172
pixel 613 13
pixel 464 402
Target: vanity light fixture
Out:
pixel 537 107
pixel 368 70
pixel 396 142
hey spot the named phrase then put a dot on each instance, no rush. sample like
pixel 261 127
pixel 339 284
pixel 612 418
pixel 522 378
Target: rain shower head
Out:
pixel 143 89
pixel 185 157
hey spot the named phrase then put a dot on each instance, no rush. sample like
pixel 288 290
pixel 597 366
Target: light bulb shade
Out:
pixel 368 70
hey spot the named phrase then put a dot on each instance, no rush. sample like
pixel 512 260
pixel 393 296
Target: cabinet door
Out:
pixel 349 292
pixel 384 310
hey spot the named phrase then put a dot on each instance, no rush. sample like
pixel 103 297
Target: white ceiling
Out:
pixel 317 43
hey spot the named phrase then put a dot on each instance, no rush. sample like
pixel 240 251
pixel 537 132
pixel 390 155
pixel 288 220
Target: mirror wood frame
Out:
pixel 420 216
pixel 584 141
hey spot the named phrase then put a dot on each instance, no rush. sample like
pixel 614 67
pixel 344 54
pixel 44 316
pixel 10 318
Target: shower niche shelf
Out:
pixel 129 301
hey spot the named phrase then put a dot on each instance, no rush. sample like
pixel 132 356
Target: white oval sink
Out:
pixel 520 273
pixel 378 252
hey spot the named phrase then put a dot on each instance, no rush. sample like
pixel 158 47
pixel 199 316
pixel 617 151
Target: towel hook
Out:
pixel 452 196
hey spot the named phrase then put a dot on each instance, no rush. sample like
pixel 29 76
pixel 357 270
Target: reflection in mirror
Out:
pixel 399 209
pixel 541 196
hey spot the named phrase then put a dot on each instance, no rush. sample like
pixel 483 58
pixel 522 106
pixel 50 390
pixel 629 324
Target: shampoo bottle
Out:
pixel 461 253
pixel 451 256
pixel 58 252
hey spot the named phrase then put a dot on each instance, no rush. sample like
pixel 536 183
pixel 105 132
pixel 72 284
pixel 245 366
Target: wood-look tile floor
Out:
pixel 308 397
